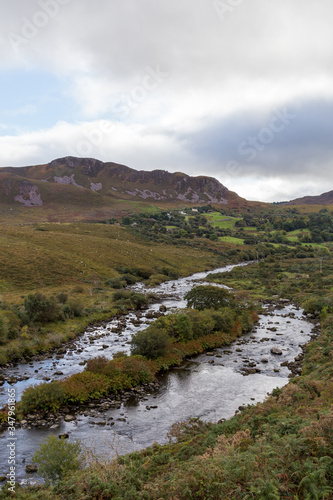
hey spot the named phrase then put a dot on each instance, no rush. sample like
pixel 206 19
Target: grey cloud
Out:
pixel 119 38
pixel 290 140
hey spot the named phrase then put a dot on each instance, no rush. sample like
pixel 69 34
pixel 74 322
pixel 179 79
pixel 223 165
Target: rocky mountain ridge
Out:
pixel 322 199
pixel 30 185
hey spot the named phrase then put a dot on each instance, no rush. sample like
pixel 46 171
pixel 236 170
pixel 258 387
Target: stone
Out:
pixel 31 468
pixel 64 435
pixel 276 351
pixel 69 418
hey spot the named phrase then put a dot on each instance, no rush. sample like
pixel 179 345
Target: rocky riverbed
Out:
pixel 212 386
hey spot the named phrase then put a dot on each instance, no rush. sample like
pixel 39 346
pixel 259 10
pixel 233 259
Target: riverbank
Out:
pixel 288 433
pixel 103 378
pixel 77 268
pixel 195 439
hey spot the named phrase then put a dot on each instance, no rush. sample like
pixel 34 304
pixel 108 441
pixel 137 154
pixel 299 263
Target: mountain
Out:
pixel 87 183
pixel 323 199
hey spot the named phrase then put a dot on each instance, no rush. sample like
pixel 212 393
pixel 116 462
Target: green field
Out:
pixel 215 219
pixel 231 239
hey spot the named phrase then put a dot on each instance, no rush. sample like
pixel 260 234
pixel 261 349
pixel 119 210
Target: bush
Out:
pixel 129 279
pixel 86 385
pixel 224 319
pixel 46 397
pixel 96 365
pixel 9 326
pixel 74 308
pixel 62 297
pixel 138 369
pixel 115 283
pixel 157 279
pixel 151 343
pixel 130 299
pixel 177 326
pixel 3 330
pixel 315 305
pixel 57 458
pixel 40 309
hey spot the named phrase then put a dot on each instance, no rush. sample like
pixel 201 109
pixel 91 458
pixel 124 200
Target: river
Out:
pixel 210 387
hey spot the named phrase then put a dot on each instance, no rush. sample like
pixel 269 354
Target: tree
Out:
pixel 40 309
pixel 209 297
pixel 56 458
pixel 151 343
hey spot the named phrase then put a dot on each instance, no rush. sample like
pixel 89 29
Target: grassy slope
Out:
pixel 78 259
pixel 55 255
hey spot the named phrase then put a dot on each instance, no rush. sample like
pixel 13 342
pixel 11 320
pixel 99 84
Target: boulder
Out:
pixel 69 418
pixel 31 468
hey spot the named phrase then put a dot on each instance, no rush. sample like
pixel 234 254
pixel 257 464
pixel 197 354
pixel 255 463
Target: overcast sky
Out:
pixel 241 90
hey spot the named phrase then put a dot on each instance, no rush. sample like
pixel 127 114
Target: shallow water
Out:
pixel 199 387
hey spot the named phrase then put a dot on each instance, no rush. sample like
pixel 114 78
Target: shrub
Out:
pixel 62 297
pixel 129 279
pixel 157 279
pixel 83 386
pixel 122 295
pixel 129 298
pixel 96 365
pixel 3 330
pixel 183 328
pixel 46 397
pixel 224 319
pixel 177 326
pixel 40 309
pixel 74 308
pixel 57 458
pixel 9 326
pixel 246 321
pixel 115 283
pixel 112 369
pixel 202 322
pixel 314 305
pixel 138 369
pixel 151 343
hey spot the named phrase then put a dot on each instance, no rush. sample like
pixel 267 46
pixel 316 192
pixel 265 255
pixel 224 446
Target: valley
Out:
pixel 92 286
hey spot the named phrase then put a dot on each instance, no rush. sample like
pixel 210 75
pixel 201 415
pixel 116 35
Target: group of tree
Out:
pixel 209 309
pixel 37 309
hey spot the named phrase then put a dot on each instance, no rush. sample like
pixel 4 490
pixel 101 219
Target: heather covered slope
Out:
pixel 323 199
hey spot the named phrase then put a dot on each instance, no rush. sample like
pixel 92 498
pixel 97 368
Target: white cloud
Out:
pixel 259 57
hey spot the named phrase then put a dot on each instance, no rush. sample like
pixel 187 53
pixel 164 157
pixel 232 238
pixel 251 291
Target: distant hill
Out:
pixel 323 199
pixel 87 183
